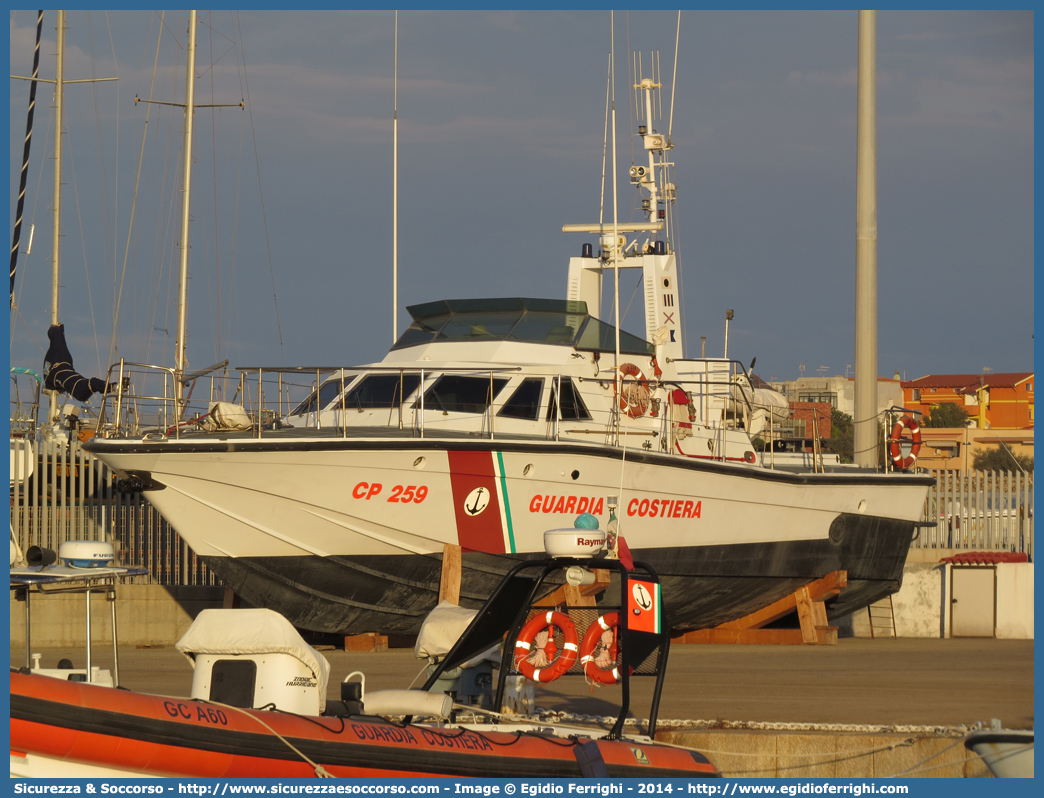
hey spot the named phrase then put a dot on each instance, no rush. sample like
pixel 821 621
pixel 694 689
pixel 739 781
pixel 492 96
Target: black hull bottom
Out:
pixel 703 586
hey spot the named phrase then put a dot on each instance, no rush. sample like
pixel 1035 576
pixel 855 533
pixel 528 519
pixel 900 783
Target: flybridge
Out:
pixel 646 250
pixel 545 321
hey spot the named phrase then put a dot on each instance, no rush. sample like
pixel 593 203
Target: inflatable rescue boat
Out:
pixel 258 706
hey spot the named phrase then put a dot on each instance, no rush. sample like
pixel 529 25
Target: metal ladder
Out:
pixel 882 618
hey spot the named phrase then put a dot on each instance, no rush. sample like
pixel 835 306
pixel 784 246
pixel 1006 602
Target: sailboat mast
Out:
pixel 179 354
pixel 395 189
pixel 616 212
pixel 56 212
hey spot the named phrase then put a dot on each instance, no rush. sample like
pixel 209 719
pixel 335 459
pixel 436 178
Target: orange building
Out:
pixel 993 401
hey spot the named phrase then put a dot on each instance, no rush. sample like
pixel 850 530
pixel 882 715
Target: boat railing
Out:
pixel 25 402
pixel 142 401
pixel 133 405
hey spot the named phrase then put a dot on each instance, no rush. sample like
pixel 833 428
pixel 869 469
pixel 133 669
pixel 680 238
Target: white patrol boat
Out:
pixel 488 421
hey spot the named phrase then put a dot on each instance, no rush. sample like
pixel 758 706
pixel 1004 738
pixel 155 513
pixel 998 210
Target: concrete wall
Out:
pixel 1015 600
pixel 771 754
pixel 922 606
pixel 145 614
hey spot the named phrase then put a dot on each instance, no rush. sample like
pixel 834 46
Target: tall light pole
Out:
pixel 865 427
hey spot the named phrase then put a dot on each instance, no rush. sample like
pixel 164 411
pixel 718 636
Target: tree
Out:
pixel 1001 459
pixel 946 414
pixel 841 435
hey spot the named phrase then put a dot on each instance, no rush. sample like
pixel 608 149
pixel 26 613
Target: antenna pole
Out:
pixel 190 84
pixel 395 189
pixel 674 80
pixel 605 141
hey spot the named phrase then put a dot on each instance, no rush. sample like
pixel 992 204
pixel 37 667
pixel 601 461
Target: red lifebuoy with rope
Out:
pixel 895 440
pixel 599 650
pixel 634 394
pixel 537 662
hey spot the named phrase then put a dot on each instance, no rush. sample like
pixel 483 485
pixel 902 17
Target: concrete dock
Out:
pixel 892 683
pixel 882 682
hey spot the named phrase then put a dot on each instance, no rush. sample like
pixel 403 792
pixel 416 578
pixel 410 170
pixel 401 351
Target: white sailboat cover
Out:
pixel 251 632
pixel 226 416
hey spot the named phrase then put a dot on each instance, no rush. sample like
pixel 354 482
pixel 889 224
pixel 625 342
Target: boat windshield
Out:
pixel 543 321
pixel 326 393
pixel 597 336
pixel 478 327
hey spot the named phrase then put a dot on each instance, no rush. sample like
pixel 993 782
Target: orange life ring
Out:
pixel 634 397
pixel 525 656
pixel 592 640
pixel 895 439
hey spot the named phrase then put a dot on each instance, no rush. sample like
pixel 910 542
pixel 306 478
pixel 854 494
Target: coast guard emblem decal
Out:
pixel 476 501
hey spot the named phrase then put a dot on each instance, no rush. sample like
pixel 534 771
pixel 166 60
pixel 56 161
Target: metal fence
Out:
pixel 66 494
pixel 979 510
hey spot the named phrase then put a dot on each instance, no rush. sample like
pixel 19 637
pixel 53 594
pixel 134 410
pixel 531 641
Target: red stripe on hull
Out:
pixel 474 483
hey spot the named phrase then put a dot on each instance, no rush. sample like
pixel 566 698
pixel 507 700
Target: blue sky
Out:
pixel 501 120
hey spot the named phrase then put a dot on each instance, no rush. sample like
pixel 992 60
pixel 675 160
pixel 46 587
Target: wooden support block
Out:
pixel 820 614
pixel 807 600
pixel 449 585
pixel 370 641
pixel 804 611
pixel 230 601
pixel 826 635
pixel 818 590
pixel 742 636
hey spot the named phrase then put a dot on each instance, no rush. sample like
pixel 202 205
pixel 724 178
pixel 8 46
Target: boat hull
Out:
pixel 703 585
pixel 347 535
pixel 1008 753
pixel 144 734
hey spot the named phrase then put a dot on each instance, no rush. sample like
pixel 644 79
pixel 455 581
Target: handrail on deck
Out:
pixel 719 383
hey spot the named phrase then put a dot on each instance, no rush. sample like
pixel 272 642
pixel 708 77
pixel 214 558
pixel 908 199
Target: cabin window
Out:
pixel 381 390
pixel 573 408
pixel 453 393
pixel 525 401
pixel 327 393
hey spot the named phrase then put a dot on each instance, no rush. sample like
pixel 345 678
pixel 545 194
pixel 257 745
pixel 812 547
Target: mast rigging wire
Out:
pixel 261 191
pixel 25 154
pixel 214 156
